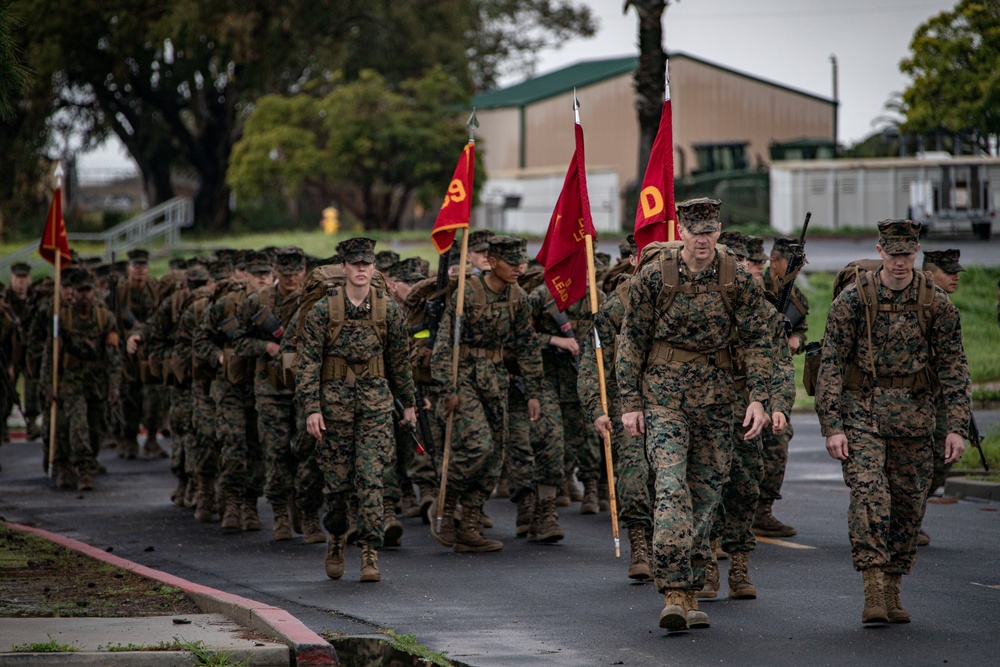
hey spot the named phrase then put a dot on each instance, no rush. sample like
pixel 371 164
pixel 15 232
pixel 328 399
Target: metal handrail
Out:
pixel 162 221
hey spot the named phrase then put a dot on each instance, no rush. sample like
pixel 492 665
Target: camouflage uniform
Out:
pixel 90 367
pixel 890 427
pixel 688 405
pixel 581 450
pixel 480 420
pixel 18 315
pixel 356 404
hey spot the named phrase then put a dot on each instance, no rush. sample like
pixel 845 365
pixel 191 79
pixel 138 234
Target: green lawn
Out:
pixel 976 299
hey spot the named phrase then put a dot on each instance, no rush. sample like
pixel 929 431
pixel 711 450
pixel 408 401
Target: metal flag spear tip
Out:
pixel 576 106
pixel 472 124
pixel 59 174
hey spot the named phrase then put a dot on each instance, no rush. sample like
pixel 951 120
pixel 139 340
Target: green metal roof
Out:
pixel 593 71
pixel 555 83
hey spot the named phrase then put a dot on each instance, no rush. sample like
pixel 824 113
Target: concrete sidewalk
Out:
pixel 245 629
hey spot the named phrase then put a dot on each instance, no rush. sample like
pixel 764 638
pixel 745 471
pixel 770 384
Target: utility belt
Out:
pixel 336 369
pixel 280 371
pixel 71 363
pixel 492 354
pixel 857 379
pixel 662 354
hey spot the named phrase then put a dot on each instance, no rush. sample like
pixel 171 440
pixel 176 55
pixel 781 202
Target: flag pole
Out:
pixel 53 409
pixel 592 288
pixel 472 124
pixel 672 213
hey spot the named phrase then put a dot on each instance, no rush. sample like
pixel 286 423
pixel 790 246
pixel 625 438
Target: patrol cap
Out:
pixel 602 259
pixel 736 242
pixel 239 258
pixel 408 270
pixel 479 240
pixel 119 267
pixel 425 266
pixel 178 263
pixel 219 269
pixel 627 246
pixel 197 275
pixel 227 254
pixel 21 269
pixel 946 260
pixel 82 279
pixel 507 248
pixel 101 271
pixel 385 258
pixel 898 237
pixel 700 216
pixel 290 259
pixel 755 249
pixel 138 256
pixel 256 262
pixel 359 250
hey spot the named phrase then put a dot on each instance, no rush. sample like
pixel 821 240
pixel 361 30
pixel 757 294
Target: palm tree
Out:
pixel 651 73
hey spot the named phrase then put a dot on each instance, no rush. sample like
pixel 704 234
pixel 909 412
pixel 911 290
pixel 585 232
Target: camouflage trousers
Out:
pixel 634 477
pixel 241 457
pixel 422 470
pixel 277 429
pixel 201 448
pixel 83 396
pixel 582 451
pixel 689 451
pixel 396 476
pixel 156 408
pixel 356 449
pixel 741 489
pixel 940 433
pixel 125 416
pixel 308 476
pixel 534 453
pixel 889 479
pixel 32 398
pixel 775 457
pixel 479 435
pixel 180 431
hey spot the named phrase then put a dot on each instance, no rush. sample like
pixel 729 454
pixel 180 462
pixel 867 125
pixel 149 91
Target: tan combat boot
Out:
pixel 428 494
pixel 563 498
pixel 204 499
pixel 696 618
pixel 589 503
pixel 674 614
pixel 336 545
pixel 717 552
pixel 525 514
pixel 409 508
pixel 312 531
pixel 296 516
pixel 249 518
pixel 64 477
pixel 231 513
pixel 391 526
pixel 84 477
pixel 711 588
pixel 446 535
pixel 469 537
pixel 740 587
pixel 639 567
pixel 191 493
pixel 890 590
pixel 603 497
pixel 766 524
pixel 874 611
pixel 544 526
pixel 281 528
pixel 369 564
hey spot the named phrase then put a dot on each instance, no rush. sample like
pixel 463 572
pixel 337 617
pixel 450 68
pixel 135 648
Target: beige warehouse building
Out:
pixel 722 119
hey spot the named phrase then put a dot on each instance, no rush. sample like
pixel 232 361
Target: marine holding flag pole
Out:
pixel 450 219
pixel 656 214
pixel 54 247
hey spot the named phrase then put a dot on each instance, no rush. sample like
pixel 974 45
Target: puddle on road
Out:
pixel 364 652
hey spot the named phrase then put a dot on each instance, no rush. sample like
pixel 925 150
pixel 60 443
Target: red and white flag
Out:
pixel 456 210
pixel 54 238
pixel 656 215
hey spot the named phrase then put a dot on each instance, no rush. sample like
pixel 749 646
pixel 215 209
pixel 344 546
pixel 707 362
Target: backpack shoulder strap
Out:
pixel 378 311
pixel 475 282
pixel 670 275
pixel 727 279
pixel 336 310
pixel 925 303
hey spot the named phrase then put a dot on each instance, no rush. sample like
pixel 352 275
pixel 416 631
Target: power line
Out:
pixel 806 13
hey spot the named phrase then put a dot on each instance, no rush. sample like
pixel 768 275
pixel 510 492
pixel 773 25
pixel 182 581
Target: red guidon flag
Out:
pixel 456 210
pixel 54 235
pixel 656 217
pixel 564 250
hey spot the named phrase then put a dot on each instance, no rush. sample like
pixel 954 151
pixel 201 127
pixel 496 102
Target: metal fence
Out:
pixel 162 223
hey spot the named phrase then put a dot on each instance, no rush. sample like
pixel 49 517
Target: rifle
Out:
pixel 434 308
pixel 8 384
pixel 410 429
pixel 269 323
pixel 565 327
pixel 976 438
pixel 113 292
pixel 795 263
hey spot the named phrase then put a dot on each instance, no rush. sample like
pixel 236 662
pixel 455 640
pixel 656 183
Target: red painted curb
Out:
pixel 309 647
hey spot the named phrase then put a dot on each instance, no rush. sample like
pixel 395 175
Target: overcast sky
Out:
pixel 786 41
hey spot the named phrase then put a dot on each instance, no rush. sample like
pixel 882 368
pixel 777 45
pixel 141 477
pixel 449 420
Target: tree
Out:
pixel 954 66
pixel 369 146
pixel 650 84
pixel 14 78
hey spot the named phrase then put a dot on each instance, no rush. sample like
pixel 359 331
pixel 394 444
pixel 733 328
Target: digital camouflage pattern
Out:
pixel 798 298
pixel 688 407
pixel 358 443
pixel 890 430
pixel 201 455
pixel 480 421
pixel 633 476
pixel 581 446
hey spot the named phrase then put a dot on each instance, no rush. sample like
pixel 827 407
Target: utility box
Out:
pixel 954 198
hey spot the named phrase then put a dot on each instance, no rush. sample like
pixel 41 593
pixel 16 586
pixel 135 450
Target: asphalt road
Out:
pixel 568 604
